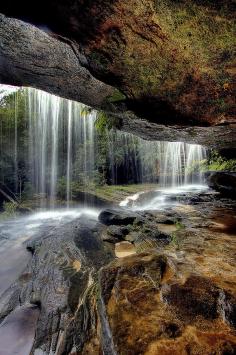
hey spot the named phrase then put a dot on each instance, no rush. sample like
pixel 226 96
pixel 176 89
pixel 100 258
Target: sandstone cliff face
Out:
pixel 171 61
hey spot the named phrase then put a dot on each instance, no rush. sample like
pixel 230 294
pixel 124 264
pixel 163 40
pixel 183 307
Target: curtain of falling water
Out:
pixel 16 141
pixel 178 157
pixel 63 143
pixel 55 110
pixel 69 146
pixel 194 153
pixel 44 112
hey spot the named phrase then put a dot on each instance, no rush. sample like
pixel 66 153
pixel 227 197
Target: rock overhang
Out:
pixel 110 62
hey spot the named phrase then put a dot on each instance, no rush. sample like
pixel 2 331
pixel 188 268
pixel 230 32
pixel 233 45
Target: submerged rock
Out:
pixel 124 249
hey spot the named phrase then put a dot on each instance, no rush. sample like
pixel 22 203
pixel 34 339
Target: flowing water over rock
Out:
pixel 161 198
pixel 19 268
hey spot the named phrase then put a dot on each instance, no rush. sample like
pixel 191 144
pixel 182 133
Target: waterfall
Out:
pixel 55 110
pixel 44 110
pixel 67 150
pixel 68 154
pixel 64 142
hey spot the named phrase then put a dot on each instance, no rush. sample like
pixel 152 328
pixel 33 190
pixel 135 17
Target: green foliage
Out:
pixel 102 121
pixel 13 122
pixel 116 96
pixel 9 210
pixel 225 165
pixel 175 240
pixel 174 235
pixel 179 225
pixel 12 108
pixel 28 191
pixel 197 166
pixel 105 122
pixel 61 188
pixel 199 30
pixel 216 162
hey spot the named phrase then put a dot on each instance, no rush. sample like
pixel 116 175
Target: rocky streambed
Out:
pixel 134 282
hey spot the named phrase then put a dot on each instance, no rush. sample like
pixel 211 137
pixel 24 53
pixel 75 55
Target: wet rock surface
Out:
pixel 177 297
pixel 162 282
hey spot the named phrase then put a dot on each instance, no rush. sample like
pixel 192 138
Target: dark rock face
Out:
pixel 223 182
pixel 215 136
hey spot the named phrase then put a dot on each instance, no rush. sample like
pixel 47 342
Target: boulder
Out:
pixel 223 182
pixel 118 217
